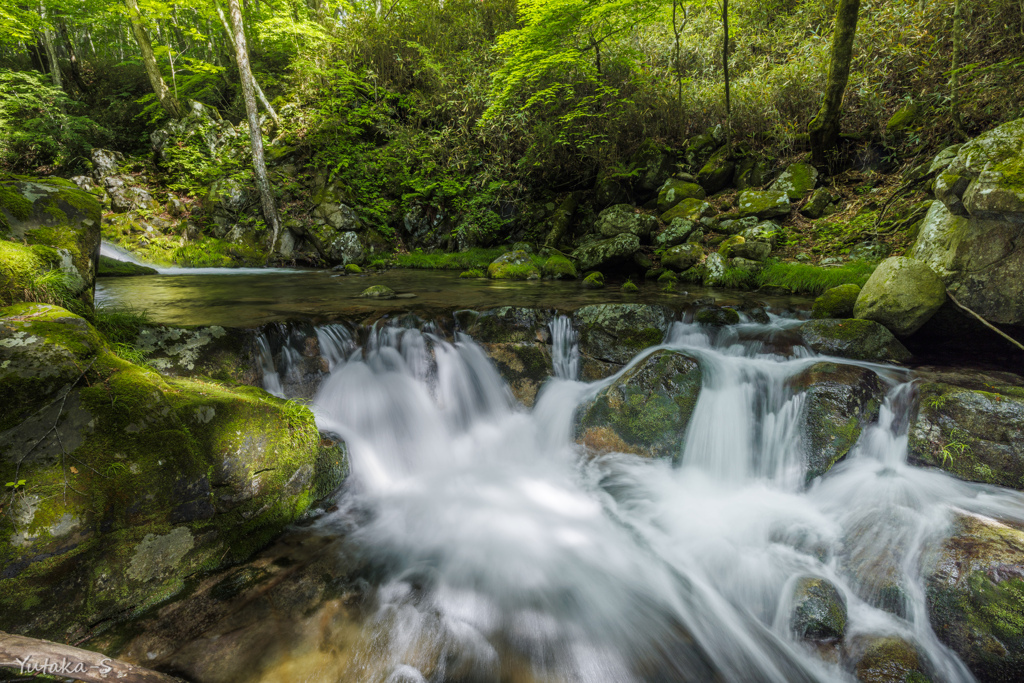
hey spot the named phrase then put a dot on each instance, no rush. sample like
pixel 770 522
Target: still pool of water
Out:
pixel 247 299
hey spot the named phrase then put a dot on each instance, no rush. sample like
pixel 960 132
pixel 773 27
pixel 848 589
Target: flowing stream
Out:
pixel 509 553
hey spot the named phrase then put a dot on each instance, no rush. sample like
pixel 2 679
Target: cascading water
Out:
pixel 505 552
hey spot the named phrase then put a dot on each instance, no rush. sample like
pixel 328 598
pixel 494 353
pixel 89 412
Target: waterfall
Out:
pixel 504 549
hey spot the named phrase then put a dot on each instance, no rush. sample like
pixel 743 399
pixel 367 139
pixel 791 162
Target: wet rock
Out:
pixel 675 191
pixel 819 610
pixel 624 219
pixel 378 292
pixel 617 332
pixel 226 354
pixel 974 585
pixel 60 224
pixel 676 233
pixel 763 204
pixel 975 435
pixel 513 265
pixel 605 253
pixel 836 302
pixel 716 316
pixel 524 366
pixel 646 411
pixel 886 659
pixel 840 401
pixel 901 294
pixel 797 181
pixel 165 478
pixel 682 257
pixel 505 325
pixel 853 338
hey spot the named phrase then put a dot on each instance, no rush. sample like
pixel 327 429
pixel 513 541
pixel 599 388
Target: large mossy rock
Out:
pixel 836 302
pixel 797 181
pixel 975 435
pixel 886 659
pixel 617 332
pixel 523 366
pixel 974 236
pixel 840 401
pixel 717 173
pixel 505 325
pixel 688 209
pixel 223 353
pixel 624 219
pixel 675 190
pixel 902 294
pixel 513 265
pixel 763 204
pixel 974 585
pixel 646 411
pixel 614 251
pixel 133 483
pixel 62 225
pixel 853 338
pixel 819 610
pixel 683 257
pixel 678 231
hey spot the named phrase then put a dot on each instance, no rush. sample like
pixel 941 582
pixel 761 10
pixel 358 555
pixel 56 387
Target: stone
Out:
pixel 765 231
pixel 974 587
pixel 48 225
pixel 716 174
pixel 714 269
pixel 886 659
pixel 336 247
pixel 943 159
pixel 688 209
pixel 678 231
pixel 338 216
pixel 751 250
pixel 797 181
pixel 905 118
pixel 226 199
pixel 646 411
pixel 105 163
pixel 901 294
pixel 594 280
pixel 658 165
pixel 726 246
pixel 617 332
pixel 624 219
pixel 675 191
pixel 524 367
pixel 702 147
pixel 869 251
pixel 169 478
pixel 378 292
pixel 513 265
pixel 505 325
pixel 854 339
pixel 110 267
pixel 608 191
pixel 751 172
pixel 819 204
pixel 974 435
pixel 819 610
pixel 629 287
pixel 836 302
pixel 840 401
pixel 558 267
pixel 763 204
pixel 716 316
pixel 613 251
pixel 682 257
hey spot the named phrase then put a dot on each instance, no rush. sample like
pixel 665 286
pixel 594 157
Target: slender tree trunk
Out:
pixel 51 53
pixel 954 76
pixel 255 85
pixel 167 100
pixel 76 71
pixel 824 128
pixel 725 70
pixel 255 134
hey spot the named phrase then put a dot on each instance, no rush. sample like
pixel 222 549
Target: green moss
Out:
pixel 14 203
pixel 476 258
pixel 629 287
pixel 475 273
pixel 513 271
pixel 559 267
pixel 353 269
pixel 836 302
pixel 111 267
pixel 803 277
pixel 593 281
pixel 727 245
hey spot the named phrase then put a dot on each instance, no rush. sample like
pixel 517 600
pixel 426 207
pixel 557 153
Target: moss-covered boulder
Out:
pixel 646 411
pixel 751 172
pixel 130 483
pixel 513 265
pixel 683 257
pixel 975 435
pixel 819 610
pixel 524 367
pixel 617 332
pixel 558 267
pixel 853 338
pixel 764 231
pixel 111 267
pixel 62 222
pixel 225 354
pixel 613 251
pixel 836 302
pixel 751 250
pixel 688 209
pixel 378 292
pixel 594 280
pixel 678 231
pixel 505 325
pixel 974 585
pixel 726 246
pixel 716 316
pixel 797 181
pixel 840 401
pixel 675 190
pixel 901 294
pixel 821 203
pixel 763 204
pixel 886 659
pixel 717 173
pixel 624 219
pixel 974 236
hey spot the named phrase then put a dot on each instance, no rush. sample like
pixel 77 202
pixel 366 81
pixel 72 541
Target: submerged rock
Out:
pixel 646 411
pixel 901 294
pixel 716 316
pixel 594 280
pixel 975 435
pixel 378 292
pixel 617 332
pixel 853 338
pixel 886 659
pixel 974 585
pixel 133 482
pixel 819 610
pixel 841 400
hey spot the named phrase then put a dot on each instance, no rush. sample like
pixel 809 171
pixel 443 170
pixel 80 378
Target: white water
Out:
pixel 119 254
pixel 504 547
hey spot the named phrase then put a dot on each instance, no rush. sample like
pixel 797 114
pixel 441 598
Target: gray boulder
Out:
pixel 901 294
pixel 624 219
pixel 683 257
pixel 854 339
pixel 676 233
pixel 797 181
pixel 608 251
pixel 617 332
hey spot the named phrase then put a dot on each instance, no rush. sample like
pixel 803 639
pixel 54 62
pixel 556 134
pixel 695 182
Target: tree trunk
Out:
pixel 167 100
pixel 824 128
pixel 255 134
pixel 76 71
pixel 255 85
pixel 51 53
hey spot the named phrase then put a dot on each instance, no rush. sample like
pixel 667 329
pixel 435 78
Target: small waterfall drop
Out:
pixel 565 351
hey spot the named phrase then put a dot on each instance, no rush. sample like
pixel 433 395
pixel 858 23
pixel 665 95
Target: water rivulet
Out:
pixel 505 551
